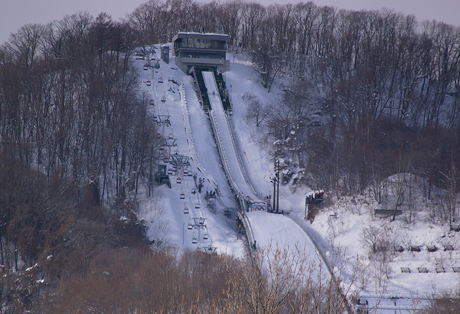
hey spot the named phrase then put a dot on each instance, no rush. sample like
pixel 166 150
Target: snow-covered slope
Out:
pixel 350 216
pixel 164 212
pixel 344 229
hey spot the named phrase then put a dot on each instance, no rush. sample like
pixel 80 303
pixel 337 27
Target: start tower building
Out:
pixel 201 50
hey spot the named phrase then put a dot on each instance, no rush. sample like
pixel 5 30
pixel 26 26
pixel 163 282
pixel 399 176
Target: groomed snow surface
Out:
pixel 168 224
pixel 225 136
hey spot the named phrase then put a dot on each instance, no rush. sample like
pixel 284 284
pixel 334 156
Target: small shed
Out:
pixel 165 53
pixel 455 228
pixel 415 248
pixel 399 248
pixel 383 212
pixel 431 248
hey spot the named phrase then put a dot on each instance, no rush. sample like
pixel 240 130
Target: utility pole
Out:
pixel 170 142
pixel 276 179
pixel 180 161
pixel 274 193
pixel 209 249
pixel 199 224
pixel 278 186
pixel 277 174
pixel 163 120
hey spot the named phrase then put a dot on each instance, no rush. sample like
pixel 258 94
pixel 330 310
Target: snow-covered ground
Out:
pixel 164 212
pixel 340 226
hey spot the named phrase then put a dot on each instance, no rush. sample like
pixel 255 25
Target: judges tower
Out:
pixel 200 50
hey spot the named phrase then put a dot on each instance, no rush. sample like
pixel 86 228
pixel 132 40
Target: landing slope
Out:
pixel 273 231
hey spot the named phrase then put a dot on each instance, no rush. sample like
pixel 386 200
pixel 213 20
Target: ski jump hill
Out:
pixel 263 229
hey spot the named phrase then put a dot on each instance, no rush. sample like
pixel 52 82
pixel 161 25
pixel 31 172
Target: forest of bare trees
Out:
pixel 371 92
pixel 141 282
pixel 75 141
pixel 367 94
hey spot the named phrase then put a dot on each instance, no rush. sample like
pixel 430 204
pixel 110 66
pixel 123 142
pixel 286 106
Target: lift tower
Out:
pixel 180 161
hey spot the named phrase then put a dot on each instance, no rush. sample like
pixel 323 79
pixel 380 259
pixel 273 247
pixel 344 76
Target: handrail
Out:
pixel 328 266
pixel 249 232
pixel 197 86
pixel 230 101
pixel 312 239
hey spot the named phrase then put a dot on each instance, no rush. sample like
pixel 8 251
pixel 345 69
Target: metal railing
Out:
pixel 249 234
pixel 325 261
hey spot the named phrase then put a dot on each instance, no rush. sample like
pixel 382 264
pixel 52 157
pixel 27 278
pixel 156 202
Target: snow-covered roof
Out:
pixel 215 36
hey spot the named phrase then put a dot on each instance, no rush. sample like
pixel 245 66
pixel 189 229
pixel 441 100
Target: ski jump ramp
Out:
pixel 231 160
pixel 264 230
pixel 262 227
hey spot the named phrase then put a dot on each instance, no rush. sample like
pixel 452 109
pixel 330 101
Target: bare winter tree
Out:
pixel 255 109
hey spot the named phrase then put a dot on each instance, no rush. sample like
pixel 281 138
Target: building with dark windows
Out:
pixel 200 50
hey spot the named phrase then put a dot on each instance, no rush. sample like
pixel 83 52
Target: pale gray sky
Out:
pixel 16 13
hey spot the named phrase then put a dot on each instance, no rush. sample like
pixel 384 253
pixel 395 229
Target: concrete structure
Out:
pixel 201 50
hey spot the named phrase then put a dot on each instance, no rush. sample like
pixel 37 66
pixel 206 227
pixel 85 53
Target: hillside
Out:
pixel 346 223
pixel 363 105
